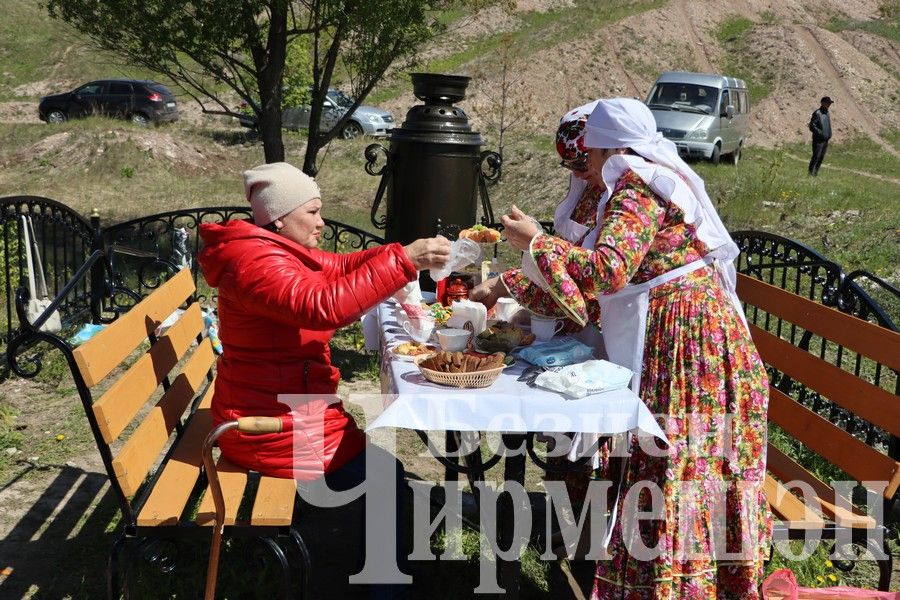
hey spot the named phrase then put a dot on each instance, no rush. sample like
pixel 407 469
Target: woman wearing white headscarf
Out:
pixel 659 265
pixel 574 218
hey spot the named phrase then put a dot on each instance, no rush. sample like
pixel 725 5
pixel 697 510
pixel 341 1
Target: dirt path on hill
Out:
pixel 615 55
pixel 700 52
pixel 844 99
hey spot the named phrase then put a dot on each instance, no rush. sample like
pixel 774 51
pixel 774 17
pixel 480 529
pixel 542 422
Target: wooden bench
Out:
pixel 845 368
pixel 150 422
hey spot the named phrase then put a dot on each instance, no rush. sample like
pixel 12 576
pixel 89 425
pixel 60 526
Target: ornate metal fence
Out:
pixel 64 239
pixel 143 251
pixel 794 267
pixel 140 253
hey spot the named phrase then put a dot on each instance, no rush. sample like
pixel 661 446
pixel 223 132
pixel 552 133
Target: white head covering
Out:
pixel 628 123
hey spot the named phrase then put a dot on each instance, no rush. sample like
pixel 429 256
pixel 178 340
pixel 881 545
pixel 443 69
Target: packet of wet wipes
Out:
pixel 556 353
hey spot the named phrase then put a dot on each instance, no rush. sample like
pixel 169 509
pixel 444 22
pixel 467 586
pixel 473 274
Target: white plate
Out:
pixel 408 357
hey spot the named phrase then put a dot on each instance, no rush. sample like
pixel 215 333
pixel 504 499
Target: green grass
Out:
pixel 735 34
pixel 34 48
pixel 888 27
pixel 770 191
pixel 733 29
pixel 10 437
pixel 539 30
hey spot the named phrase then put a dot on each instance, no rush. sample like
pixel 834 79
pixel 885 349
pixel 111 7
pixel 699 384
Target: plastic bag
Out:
pixel 163 327
pixel 463 252
pixel 782 585
pixel 211 330
pixel 88 331
pixel 556 353
pixel 181 252
pixel 584 379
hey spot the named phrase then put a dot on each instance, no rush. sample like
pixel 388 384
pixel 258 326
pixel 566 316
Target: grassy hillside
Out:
pixel 39 55
pixel 849 213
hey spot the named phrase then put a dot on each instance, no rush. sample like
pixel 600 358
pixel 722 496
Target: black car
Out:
pixel 141 101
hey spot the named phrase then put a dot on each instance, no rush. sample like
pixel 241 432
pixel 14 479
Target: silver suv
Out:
pixel 704 115
pixel 367 120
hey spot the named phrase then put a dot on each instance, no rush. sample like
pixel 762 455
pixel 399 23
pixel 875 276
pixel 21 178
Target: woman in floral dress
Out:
pixel 660 267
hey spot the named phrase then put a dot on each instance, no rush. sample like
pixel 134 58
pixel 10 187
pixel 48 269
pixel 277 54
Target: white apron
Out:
pixel 624 315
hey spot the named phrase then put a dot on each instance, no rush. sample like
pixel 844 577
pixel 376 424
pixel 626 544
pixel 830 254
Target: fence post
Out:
pixel 97 275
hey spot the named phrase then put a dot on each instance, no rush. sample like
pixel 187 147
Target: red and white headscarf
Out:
pixel 570 134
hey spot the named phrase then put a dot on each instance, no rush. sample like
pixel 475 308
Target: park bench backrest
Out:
pixel 801 373
pixel 130 434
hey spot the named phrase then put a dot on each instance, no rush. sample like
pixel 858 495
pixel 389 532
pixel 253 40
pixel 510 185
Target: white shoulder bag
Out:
pixel 37 303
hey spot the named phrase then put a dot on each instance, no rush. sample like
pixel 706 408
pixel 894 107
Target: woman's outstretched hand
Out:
pixel 429 253
pixel 488 292
pixel 519 229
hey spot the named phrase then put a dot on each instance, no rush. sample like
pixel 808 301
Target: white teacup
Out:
pixel 419 329
pixel 506 309
pixel 453 340
pixel 544 328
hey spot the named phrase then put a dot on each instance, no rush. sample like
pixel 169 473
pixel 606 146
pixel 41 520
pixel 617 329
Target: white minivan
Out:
pixel 704 115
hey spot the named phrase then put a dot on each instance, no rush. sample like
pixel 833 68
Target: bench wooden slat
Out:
pixel 124 399
pixel 789 508
pixel 142 449
pixel 831 504
pixel 102 353
pixel 274 504
pixel 173 488
pixel 863 399
pixel 880 344
pixel 831 442
pixel 233 480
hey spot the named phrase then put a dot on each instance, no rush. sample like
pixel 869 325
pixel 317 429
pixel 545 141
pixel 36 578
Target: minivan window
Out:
pixel 120 88
pixel 687 97
pixel 726 100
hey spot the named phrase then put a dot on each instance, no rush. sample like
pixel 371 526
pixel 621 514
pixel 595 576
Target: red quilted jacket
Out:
pixel 279 304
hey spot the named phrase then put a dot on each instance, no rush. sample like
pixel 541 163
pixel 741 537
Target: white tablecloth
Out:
pixel 506 406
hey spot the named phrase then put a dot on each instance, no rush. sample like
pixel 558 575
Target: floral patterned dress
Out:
pixel 709 529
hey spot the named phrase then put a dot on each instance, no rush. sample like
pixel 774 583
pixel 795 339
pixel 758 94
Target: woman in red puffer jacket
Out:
pixel 280 300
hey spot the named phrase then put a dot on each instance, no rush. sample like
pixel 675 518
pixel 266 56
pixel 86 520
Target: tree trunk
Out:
pixel 270 132
pixel 309 159
pixel 270 65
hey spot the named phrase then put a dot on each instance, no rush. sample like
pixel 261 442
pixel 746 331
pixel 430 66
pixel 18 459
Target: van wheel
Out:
pixel 735 157
pixel 716 155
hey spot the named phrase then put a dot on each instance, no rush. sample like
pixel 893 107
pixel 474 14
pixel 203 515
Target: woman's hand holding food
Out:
pixel 428 253
pixel 488 292
pixel 519 229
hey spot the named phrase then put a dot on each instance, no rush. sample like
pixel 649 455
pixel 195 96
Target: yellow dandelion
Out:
pixel 832 578
pixel 820 579
pixel 828 563
pixel 60 437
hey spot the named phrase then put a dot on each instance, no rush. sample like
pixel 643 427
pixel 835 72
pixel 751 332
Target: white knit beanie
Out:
pixel 275 189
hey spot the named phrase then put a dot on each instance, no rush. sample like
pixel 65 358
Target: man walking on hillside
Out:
pixel 820 125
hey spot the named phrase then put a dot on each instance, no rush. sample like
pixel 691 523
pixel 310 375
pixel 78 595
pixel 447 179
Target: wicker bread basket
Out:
pixel 471 379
